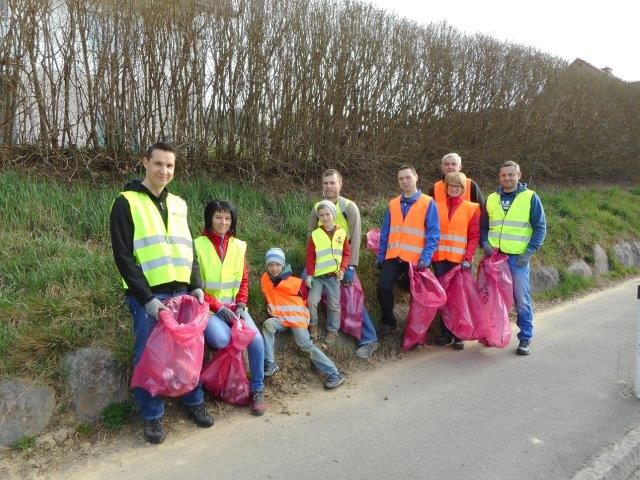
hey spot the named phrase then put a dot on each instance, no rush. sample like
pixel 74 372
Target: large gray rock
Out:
pixel 25 410
pixel 600 260
pixel 95 381
pixel 581 269
pixel 543 278
pixel 635 249
pixel 623 253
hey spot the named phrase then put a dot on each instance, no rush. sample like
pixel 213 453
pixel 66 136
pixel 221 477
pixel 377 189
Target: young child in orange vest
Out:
pixel 285 295
pixel 328 255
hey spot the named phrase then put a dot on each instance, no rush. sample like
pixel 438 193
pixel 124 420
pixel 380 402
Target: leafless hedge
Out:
pixel 272 86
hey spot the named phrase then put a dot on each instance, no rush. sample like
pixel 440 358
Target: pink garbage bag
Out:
pixel 464 313
pixel 427 295
pixel 496 291
pixel 172 358
pixel 225 376
pixel 351 303
pixel 373 240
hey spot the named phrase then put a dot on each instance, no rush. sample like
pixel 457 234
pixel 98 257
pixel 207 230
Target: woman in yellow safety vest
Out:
pixel 225 280
pixel 459 237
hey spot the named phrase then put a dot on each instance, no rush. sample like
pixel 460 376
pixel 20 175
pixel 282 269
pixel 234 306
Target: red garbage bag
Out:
pixel 351 304
pixel 464 311
pixel 172 358
pixel 225 376
pixel 496 292
pixel 373 240
pixel 427 295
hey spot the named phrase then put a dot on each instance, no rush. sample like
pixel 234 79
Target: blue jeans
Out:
pixel 152 407
pixel 522 298
pixel 330 285
pixel 301 336
pixel 218 335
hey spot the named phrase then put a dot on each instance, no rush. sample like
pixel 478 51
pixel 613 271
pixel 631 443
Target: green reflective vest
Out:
pixel 510 231
pixel 328 251
pixel 341 220
pixel 221 279
pixel 165 254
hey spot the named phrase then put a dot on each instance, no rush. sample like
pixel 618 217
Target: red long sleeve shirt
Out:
pixel 220 244
pixel 311 253
pixel 473 230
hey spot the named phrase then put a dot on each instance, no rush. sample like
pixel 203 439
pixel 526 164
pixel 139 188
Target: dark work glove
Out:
pixel 488 249
pixel 378 264
pixel 240 309
pixel 226 315
pixel 465 265
pixel 423 265
pixel 348 275
pixel 523 259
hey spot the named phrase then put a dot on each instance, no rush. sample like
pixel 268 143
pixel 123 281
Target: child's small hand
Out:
pixel 340 275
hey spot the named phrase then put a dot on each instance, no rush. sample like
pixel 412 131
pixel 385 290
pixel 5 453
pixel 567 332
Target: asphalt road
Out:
pixel 436 414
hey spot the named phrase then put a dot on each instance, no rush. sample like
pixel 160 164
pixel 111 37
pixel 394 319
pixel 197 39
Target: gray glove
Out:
pixel 198 294
pixel 423 265
pixel 153 307
pixel 523 259
pixel 488 249
pixel 465 265
pixel 226 315
pixel 240 309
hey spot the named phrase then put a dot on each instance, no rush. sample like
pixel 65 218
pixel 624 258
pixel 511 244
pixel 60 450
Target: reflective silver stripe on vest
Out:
pixel 453 238
pixel 404 246
pixel 509 223
pixel 293 319
pixel 289 308
pixel 328 263
pixel 407 230
pixel 505 236
pixel 449 248
pixel 158 239
pixel 322 253
pixel 162 261
pixel 222 285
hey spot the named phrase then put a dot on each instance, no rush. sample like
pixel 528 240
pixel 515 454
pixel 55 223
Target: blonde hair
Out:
pixel 456 178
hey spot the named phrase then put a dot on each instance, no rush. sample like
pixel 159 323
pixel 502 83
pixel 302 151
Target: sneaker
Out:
pixel 443 340
pixel 386 330
pixel 524 348
pixel 199 415
pixel 270 368
pixel 334 381
pixel 258 405
pixel 458 344
pixel 365 351
pixel 331 338
pixel 313 332
pixel 153 431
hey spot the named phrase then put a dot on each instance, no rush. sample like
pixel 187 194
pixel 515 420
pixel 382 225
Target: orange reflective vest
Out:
pixel 406 235
pixel 440 193
pixel 453 232
pixel 284 302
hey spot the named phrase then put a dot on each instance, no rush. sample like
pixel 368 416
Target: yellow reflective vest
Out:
pixel 221 279
pixel 510 231
pixel 164 253
pixel 328 251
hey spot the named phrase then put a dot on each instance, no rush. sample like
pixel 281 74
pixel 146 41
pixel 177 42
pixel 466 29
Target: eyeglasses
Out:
pixel 454 186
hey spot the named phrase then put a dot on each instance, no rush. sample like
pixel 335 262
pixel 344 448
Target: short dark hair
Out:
pixel 164 146
pixel 405 166
pixel 215 206
pixel 510 163
pixel 330 172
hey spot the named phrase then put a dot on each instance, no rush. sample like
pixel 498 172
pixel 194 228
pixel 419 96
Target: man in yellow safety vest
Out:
pixel 153 251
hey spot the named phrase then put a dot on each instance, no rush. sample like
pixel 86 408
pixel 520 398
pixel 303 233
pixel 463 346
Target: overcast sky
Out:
pixel 604 33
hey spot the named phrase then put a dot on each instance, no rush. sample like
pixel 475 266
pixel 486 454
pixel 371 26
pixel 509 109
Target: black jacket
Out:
pixel 121 228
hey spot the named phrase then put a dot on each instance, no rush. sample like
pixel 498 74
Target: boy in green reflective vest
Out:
pixel 327 259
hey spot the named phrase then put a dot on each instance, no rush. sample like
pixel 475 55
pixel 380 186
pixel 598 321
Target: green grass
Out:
pixel 116 415
pixel 59 287
pixel 23 443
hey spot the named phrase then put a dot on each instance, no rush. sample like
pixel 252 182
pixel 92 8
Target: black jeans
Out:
pixel 392 270
pixel 440 269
